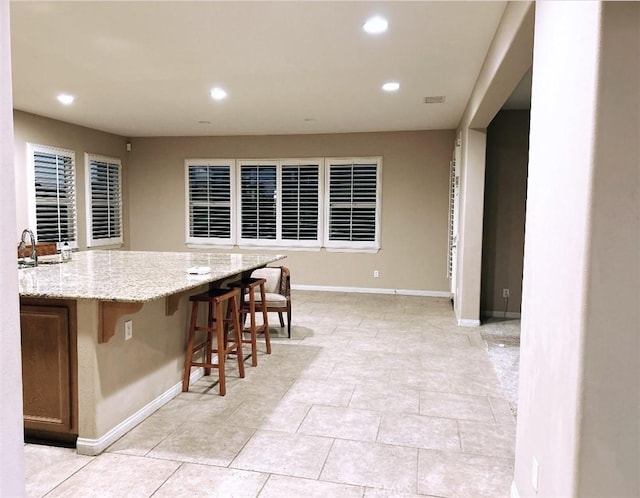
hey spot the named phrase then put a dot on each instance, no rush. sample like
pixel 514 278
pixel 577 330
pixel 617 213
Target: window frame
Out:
pixel 352 245
pixel 211 241
pixel 278 241
pixel 32 150
pixel 323 202
pixel 257 242
pixel 117 241
pixel 304 243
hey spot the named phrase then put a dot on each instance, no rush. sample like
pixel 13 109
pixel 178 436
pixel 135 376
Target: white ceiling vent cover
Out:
pixel 435 100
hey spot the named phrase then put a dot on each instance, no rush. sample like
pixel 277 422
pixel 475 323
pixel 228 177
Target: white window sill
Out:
pixel 353 249
pixel 104 246
pixel 282 248
pixel 253 248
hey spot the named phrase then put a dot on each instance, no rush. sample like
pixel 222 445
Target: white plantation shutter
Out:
pixel 300 203
pixel 54 194
pixel 209 201
pixel 104 201
pixel 258 202
pixel 291 203
pixel 353 204
pixel 453 189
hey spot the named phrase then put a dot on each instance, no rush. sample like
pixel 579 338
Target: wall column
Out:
pixel 11 439
pixel 507 60
pixel 469 269
pixel 579 401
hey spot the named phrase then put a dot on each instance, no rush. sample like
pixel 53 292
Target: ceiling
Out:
pixel 146 68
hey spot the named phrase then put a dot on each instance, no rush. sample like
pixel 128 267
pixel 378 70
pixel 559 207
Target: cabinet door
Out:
pixel 45 368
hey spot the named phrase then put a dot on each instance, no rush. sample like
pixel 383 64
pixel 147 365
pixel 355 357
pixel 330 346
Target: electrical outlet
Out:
pixel 534 474
pixel 376 273
pixel 505 292
pixel 128 330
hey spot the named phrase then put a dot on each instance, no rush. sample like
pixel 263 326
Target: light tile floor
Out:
pixel 374 396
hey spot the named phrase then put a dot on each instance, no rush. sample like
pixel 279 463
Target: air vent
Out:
pixel 434 100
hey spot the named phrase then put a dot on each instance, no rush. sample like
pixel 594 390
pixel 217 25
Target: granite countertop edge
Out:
pixel 133 276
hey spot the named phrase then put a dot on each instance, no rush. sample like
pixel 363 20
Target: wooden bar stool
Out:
pixel 248 306
pixel 216 324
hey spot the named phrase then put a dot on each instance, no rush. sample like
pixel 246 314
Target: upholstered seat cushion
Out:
pixel 273 300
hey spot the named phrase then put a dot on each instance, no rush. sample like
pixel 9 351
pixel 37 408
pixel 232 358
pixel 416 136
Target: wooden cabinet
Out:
pixel 49 369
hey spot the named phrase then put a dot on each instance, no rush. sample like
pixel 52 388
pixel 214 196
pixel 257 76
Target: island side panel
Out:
pixel 119 378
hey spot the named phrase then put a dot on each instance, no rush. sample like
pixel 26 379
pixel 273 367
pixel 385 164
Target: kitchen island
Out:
pixel 73 324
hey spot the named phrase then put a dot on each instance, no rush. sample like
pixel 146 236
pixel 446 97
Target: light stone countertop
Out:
pixel 132 276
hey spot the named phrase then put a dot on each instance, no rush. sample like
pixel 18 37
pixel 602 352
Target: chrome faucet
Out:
pixel 23 245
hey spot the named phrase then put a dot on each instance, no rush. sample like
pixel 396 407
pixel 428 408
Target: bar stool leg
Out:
pixel 189 352
pixel 252 330
pixel 265 318
pixel 238 335
pixel 208 350
pixel 222 353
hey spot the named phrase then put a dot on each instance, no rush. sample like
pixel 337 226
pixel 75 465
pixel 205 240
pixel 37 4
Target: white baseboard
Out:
pixel 468 323
pixel 370 290
pixel 92 447
pixel 514 490
pixel 500 314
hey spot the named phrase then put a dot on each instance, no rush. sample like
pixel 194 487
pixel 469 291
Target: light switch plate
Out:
pixel 128 330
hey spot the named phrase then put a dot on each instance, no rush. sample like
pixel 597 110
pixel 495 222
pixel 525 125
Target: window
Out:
pixel 300 187
pixel 353 204
pixel 281 203
pixel 258 202
pixel 210 184
pixel 104 200
pixel 53 197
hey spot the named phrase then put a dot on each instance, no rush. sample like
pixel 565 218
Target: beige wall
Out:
pixel 504 211
pixel 45 131
pixel 414 202
pixel 11 441
pixel 579 401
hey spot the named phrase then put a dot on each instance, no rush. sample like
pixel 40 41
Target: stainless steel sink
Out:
pixel 41 262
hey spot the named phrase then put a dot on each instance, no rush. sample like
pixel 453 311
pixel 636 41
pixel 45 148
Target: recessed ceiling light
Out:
pixel 391 86
pixel 218 93
pixel 65 98
pixel 376 25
